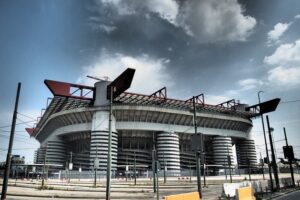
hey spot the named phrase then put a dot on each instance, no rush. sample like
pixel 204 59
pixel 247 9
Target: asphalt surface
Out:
pixel 291 196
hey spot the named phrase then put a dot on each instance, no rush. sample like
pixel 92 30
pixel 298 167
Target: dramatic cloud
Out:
pixel 278 30
pixel 166 9
pixel 208 21
pixel 285 55
pixel 150 73
pixel 212 21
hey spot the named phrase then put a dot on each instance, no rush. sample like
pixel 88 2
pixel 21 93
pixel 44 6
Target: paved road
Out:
pixel 290 196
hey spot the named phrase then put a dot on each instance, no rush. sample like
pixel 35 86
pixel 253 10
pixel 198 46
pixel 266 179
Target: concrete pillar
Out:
pixel 168 151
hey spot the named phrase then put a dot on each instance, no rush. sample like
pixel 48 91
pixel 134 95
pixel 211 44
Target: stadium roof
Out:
pixel 69 96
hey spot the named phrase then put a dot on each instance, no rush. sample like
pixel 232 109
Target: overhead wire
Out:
pixel 33 118
pixel 18 139
pixel 292 101
pixel 25 122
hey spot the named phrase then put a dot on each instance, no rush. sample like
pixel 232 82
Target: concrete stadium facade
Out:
pixel 140 124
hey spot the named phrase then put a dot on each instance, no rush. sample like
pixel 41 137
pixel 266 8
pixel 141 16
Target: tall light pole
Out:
pixel 199 152
pixel 108 171
pixel 266 145
pixel 274 164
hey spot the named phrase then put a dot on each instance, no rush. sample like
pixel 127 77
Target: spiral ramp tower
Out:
pixel 168 151
pixel 99 141
pixel 56 152
pixel 246 153
pixel 222 148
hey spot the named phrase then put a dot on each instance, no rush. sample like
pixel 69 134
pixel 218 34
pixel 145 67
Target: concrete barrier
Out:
pixel 229 189
pixel 185 196
pixel 245 193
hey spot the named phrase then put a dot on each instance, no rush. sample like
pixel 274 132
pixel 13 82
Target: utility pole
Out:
pixel 153 163
pixel 262 166
pixel 134 168
pixel 126 169
pixel 45 158
pixel 11 140
pixel 157 181
pixel 290 160
pixel 108 171
pixel 274 165
pixel 225 169
pixel 229 164
pixel 266 144
pixel 204 169
pixel 190 171
pixel 198 153
pixel 165 178
pixel 96 163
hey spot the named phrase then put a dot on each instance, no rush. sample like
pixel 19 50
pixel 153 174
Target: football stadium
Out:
pixel 74 128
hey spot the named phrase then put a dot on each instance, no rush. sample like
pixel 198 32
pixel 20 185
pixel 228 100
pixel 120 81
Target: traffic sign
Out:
pixel 96 163
pixel 70 166
pixel 288 152
pixel 156 166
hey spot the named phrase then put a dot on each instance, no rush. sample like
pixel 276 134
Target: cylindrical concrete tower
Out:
pixel 168 151
pixel 245 149
pixel 222 147
pixel 56 152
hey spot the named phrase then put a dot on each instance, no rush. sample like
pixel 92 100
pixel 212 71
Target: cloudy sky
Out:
pixel 224 49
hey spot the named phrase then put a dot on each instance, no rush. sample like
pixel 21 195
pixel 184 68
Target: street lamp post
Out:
pixel 108 171
pixel 198 153
pixel 266 145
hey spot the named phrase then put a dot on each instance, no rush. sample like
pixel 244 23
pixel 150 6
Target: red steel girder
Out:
pixel 162 93
pixel 228 104
pixel 29 130
pixel 64 89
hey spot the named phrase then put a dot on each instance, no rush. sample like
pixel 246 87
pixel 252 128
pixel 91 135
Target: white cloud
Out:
pixel 286 62
pixel 214 21
pixel 250 83
pixel 166 9
pixel 278 30
pixel 107 28
pixel 216 99
pixel 283 76
pixel 297 17
pixel 285 55
pixel 150 73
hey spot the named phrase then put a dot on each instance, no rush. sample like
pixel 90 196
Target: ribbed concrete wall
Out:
pixel 56 152
pixel 99 141
pixel 168 150
pixel 222 147
pixel 245 149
